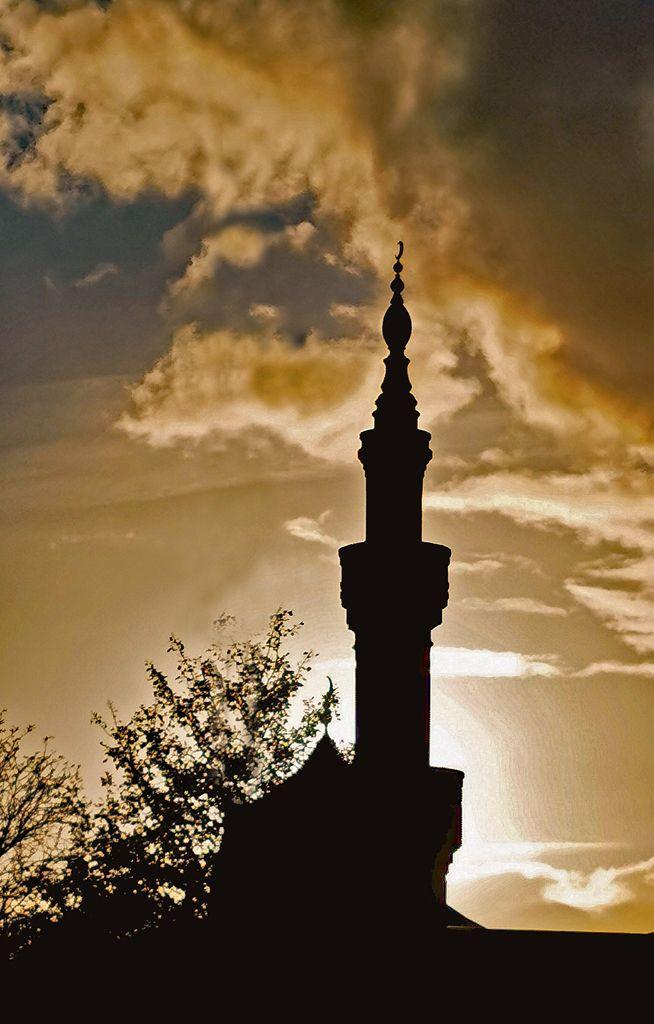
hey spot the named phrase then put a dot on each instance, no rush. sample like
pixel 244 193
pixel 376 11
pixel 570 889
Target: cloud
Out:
pixel 628 613
pixel 93 537
pixel 344 311
pixel 622 594
pixel 572 184
pixel 222 384
pixel 97 274
pixel 618 568
pixel 523 605
pixel 591 891
pixel 487 565
pixel 468 663
pixel 50 284
pixel 598 889
pixel 398 124
pixel 497 457
pixel 471 663
pixel 264 312
pixel 315 396
pixel 240 246
pixel 312 530
pixel 599 506
pixel 617 668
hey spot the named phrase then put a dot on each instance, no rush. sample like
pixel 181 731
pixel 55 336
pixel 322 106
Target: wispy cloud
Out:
pixel 264 311
pixel 487 565
pixel 97 274
pixel 599 506
pixel 631 614
pixel 617 668
pixel 312 530
pixel 240 246
pixel 92 537
pixel 484 566
pixel 472 662
pixel 591 891
pixel 523 605
pixel 225 383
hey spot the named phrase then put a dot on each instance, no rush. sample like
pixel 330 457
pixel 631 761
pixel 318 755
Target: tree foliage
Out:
pixel 42 819
pixel 230 726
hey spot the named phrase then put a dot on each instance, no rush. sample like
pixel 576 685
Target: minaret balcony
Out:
pixel 402 586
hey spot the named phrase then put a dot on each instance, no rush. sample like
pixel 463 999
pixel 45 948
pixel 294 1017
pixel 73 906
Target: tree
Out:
pixel 230 727
pixel 42 819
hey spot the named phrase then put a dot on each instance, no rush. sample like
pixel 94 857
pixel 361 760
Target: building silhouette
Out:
pixel 374 838
pixel 349 858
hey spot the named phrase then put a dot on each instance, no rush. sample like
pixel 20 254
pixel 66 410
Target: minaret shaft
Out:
pixel 394 467
pixel 393 725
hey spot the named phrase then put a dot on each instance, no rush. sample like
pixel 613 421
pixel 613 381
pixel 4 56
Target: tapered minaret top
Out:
pixel 394 585
pixel 396 406
pixel 395 452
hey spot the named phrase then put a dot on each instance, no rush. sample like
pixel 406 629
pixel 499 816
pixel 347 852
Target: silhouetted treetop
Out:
pixel 229 727
pixel 42 815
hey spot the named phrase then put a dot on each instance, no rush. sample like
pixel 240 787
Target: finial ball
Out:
pixel 396 326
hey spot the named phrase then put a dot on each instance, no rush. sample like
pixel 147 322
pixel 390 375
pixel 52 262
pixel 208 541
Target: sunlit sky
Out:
pixel 199 208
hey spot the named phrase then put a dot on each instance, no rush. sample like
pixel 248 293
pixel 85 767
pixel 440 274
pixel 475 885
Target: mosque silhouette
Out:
pixel 380 832
pixel 349 860
pixel 372 840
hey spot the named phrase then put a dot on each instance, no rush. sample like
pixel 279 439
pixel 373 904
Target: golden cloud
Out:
pixel 241 246
pixel 315 396
pixel 591 891
pixel 601 505
pixel 168 97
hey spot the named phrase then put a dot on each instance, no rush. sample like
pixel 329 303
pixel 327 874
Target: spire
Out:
pixel 396 406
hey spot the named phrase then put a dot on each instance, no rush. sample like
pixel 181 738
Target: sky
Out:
pixel 199 209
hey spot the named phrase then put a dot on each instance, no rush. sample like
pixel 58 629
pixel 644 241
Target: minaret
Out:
pixel 394 587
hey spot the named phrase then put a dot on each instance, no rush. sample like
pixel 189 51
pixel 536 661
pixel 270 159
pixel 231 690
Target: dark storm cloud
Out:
pixel 552 131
